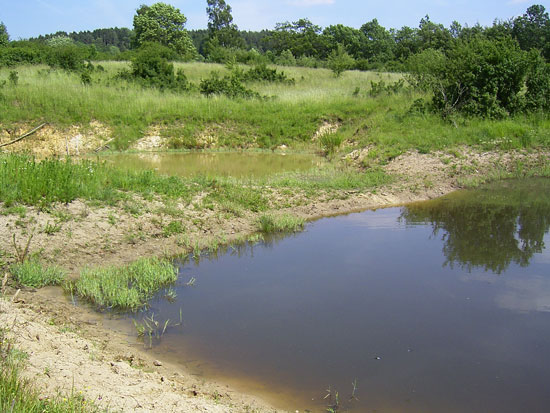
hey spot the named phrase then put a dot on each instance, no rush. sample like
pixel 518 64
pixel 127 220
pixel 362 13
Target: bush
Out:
pixel 151 66
pixel 262 73
pixel 478 77
pixel 230 86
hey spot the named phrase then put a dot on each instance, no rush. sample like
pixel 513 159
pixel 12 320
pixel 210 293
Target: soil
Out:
pixel 78 351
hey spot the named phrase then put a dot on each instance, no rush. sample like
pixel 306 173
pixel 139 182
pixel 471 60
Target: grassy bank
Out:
pixel 391 122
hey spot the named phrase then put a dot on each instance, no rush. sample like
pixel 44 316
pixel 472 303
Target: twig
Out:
pixel 23 136
pixel 104 146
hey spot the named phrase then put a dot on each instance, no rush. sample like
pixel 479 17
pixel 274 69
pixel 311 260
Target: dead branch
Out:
pixel 29 133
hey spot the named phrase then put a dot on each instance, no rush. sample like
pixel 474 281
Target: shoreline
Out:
pixel 81 352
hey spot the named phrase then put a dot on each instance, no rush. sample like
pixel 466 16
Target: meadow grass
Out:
pixel 32 273
pixel 124 288
pixel 290 117
pixel 271 223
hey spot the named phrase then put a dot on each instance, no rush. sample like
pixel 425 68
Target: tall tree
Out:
pixel 532 30
pixel 221 26
pixel 379 44
pixel 164 24
pixel 4 37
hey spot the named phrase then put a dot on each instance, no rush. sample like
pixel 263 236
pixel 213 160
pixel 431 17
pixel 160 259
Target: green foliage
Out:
pixel 221 28
pixel 286 58
pixel 151 67
pixel 269 224
pixel 478 77
pixel 330 142
pixel 378 88
pixel 32 273
pixel 229 85
pixel 164 24
pixel 26 181
pixel 125 288
pixel 532 30
pixel 13 78
pixel 68 57
pixel 4 37
pixel 537 95
pixel 339 61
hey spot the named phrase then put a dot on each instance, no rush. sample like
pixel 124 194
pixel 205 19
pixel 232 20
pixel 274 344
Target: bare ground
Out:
pixel 78 352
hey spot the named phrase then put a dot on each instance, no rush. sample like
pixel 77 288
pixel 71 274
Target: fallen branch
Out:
pixel 104 146
pixel 29 133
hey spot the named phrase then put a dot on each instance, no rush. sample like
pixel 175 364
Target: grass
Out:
pixel 291 117
pixel 32 273
pixel 124 288
pixel 269 224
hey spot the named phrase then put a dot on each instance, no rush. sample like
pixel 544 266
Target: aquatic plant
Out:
pixel 269 223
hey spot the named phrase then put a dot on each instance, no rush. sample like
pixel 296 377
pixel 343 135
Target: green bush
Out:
pixel 230 86
pixel 151 66
pixel 481 77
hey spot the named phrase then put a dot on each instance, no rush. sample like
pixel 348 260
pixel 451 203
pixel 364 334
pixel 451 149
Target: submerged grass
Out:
pixel 33 273
pixel 124 288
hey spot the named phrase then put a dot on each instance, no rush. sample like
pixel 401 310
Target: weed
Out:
pixel 51 228
pixel 174 227
pixel 21 254
pixel 32 273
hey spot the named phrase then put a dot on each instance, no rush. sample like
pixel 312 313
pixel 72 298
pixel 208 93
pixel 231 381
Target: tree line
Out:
pixel 487 71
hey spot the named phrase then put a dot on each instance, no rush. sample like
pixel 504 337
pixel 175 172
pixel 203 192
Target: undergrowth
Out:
pixel 33 273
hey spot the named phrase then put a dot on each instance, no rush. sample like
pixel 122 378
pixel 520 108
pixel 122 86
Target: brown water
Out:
pixel 441 306
pixel 235 164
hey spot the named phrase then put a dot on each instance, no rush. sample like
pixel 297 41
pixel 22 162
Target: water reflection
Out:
pixel 491 228
pixel 235 164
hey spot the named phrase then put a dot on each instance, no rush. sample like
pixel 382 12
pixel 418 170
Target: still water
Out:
pixel 235 164
pixel 441 306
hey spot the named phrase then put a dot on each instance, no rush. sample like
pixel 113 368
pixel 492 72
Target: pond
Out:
pixel 234 164
pixel 441 306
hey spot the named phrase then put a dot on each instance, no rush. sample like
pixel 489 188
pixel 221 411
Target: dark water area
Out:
pixel 234 164
pixel 441 306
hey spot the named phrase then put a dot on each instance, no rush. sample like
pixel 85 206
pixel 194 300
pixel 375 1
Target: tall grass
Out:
pixel 124 288
pixel 290 118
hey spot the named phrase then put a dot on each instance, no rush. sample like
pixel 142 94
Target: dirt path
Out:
pixel 71 349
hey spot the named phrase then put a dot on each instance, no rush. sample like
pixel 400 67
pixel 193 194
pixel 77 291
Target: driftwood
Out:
pixel 29 133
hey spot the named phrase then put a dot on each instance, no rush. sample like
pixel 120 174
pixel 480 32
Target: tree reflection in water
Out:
pixel 492 227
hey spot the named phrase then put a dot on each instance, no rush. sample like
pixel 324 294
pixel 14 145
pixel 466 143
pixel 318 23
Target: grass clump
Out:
pixel 125 288
pixel 269 224
pixel 32 273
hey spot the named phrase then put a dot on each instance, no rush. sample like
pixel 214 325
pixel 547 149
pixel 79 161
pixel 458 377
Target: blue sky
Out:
pixel 27 18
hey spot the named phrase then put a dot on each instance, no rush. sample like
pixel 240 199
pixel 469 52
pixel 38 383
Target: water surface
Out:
pixel 441 306
pixel 235 164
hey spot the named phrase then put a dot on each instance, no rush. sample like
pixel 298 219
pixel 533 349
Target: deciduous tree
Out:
pixel 164 24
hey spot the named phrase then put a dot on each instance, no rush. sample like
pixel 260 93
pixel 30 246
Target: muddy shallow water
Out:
pixel 437 306
pixel 235 164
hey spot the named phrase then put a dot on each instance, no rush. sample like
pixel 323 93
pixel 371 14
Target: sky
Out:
pixel 30 18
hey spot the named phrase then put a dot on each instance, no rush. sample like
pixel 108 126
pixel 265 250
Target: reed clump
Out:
pixel 269 223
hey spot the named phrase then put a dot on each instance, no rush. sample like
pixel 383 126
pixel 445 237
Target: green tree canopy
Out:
pixel 4 37
pixel 164 24
pixel 221 26
pixel 532 30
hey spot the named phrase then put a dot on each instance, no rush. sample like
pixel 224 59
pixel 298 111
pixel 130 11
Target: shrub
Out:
pixel 230 86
